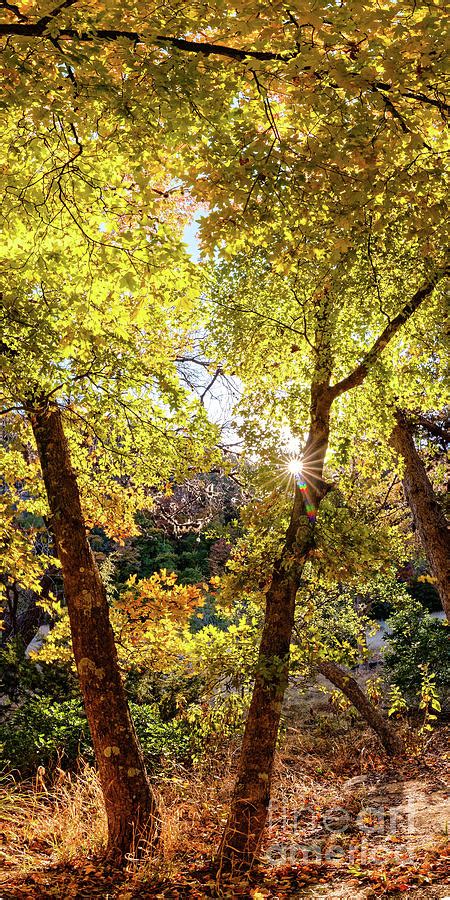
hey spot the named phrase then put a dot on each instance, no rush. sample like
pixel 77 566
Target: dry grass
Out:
pixel 62 821
pixel 44 825
pixel 194 807
pixel 49 823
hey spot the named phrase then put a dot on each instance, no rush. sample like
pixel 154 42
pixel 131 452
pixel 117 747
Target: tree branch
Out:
pixel 358 375
pixel 392 109
pixel 205 363
pixel 433 427
pixel 210 383
pixel 422 98
pixel 12 8
pixel 38 29
pixel 9 409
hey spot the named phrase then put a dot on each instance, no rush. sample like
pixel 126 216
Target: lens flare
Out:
pixel 300 467
pixel 295 465
pixel 309 507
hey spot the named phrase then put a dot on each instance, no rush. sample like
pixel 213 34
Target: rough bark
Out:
pixel 431 523
pixel 345 682
pixel 131 808
pixel 248 811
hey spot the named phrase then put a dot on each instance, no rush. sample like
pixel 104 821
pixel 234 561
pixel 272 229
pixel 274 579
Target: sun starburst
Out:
pixel 295 465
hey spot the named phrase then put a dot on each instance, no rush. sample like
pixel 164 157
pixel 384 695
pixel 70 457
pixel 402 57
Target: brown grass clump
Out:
pixel 61 821
pixel 47 823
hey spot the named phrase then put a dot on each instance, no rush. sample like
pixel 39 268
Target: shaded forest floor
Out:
pixel 345 822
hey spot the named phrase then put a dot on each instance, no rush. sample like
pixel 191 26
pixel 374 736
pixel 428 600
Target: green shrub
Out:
pixel 44 733
pixel 158 739
pixel 17 674
pixel 41 732
pixel 21 677
pixel 171 693
pixel 417 640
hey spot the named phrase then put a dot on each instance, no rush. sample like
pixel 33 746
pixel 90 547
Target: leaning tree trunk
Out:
pixel 131 809
pixel 243 833
pixel 388 737
pixel 428 516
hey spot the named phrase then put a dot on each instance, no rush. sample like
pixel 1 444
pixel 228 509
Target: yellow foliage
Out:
pixel 150 620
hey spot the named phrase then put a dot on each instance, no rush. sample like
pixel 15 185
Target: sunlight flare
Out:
pixel 295 465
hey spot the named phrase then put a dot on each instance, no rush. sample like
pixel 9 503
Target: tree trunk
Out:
pixel 389 738
pixel 10 624
pixel 248 811
pixel 131 809
pixel 251 796
pixel 428 516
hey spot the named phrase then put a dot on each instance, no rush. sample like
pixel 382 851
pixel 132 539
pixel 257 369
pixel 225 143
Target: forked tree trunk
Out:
pixel 131 807
pixel 345 682
pixel 244 829
pixel 428 516
pixel 248 811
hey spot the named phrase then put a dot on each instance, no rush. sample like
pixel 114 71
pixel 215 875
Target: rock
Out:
pixel 357 781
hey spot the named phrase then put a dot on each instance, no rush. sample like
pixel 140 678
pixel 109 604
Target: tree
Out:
pixel 322 102
pixel 300 129
pixel 428 516
pixel 89 354
pixel 131 807
pixel 351 689
pixel 330 322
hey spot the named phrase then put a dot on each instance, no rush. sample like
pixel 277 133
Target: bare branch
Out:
pixel 205 363
pixel 210 384
pixel 433 427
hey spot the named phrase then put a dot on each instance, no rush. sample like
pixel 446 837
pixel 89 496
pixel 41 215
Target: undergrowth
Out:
pixel 55 827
